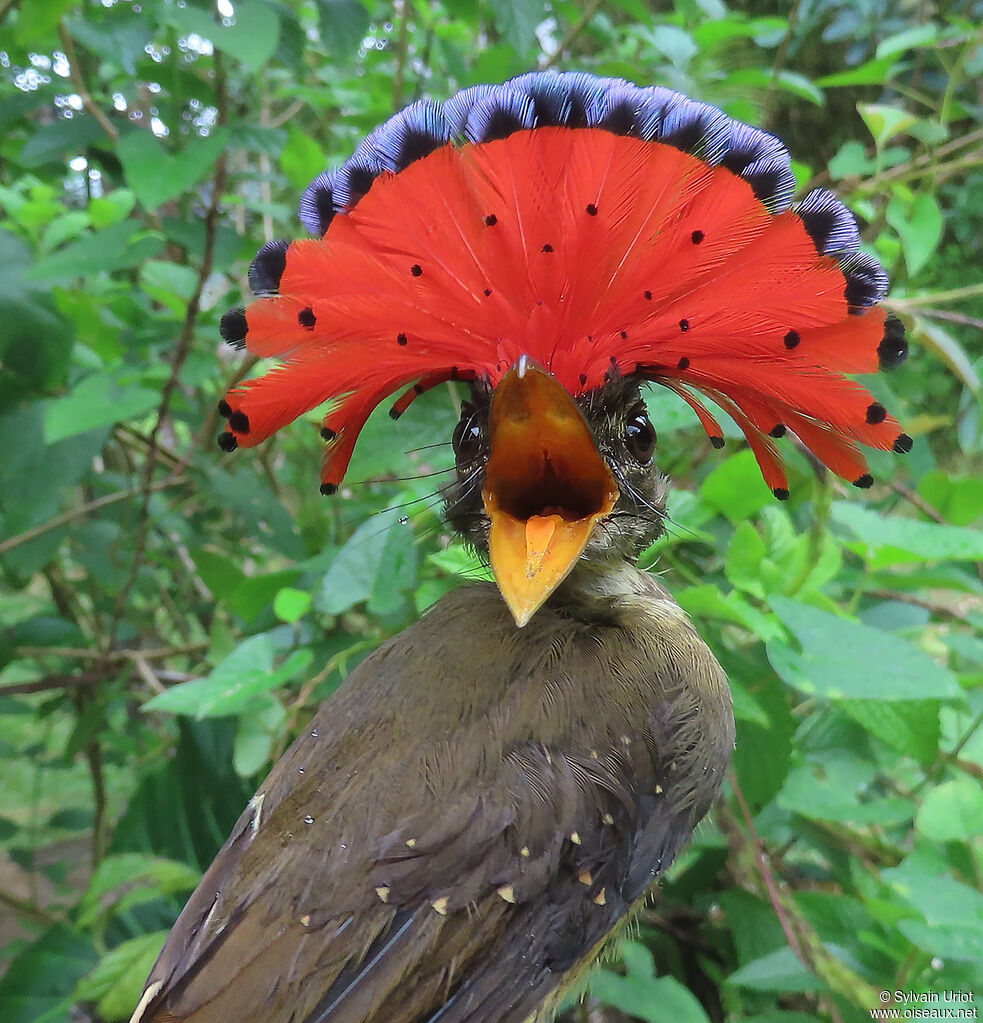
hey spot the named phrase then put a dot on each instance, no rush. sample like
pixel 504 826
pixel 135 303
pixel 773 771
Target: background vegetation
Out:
pixel 170 616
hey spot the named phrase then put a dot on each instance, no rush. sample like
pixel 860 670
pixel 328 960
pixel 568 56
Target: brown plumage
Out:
pixel 478 807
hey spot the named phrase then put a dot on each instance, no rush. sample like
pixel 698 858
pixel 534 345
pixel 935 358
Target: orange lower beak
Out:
pixel 546 487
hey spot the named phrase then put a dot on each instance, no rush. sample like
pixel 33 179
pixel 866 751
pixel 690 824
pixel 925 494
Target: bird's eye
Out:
pixel 640 438
pixel 467 436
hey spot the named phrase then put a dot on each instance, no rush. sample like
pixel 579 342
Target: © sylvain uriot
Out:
pixel 485 800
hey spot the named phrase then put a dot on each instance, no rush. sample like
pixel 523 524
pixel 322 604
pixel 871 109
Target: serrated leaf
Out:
pixel 884 121
pixel 832 790
pixel 952 812
pixel 643 995
pixel 911 727
pixel 777 971
pixel 117 980
pixel 127 879
pixel 245 674
pixel 842 659
pixel 253 37
pixel 892 539
pixel 290 605
pixel 97 401
pixel 156 175
pixel 919 226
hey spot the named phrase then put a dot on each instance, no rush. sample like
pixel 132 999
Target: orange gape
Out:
pixel 590 252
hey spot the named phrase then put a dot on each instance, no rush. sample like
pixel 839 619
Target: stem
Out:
pixel 75 71
pixel 82 510
pixel 180 357
pixel 572 33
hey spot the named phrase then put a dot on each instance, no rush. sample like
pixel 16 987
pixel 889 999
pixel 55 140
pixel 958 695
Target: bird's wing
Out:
pixel 493 895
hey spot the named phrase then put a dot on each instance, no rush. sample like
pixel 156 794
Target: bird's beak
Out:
pixel 546 487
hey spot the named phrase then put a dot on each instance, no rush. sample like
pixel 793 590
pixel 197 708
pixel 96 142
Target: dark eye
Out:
pixel 467 436
pixel 640 438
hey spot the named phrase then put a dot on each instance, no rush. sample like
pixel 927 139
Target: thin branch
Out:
pixel 402 49
pixel 28 909
pixel 764 865
pixel 75 71
pixel 82 510
pixel 573 32
pixel 934 606
pixel 919 502
pixel 180 355
pixel 780 54
pixel 52 682
pixel 937 314
pixel 111 656
pixel 939 297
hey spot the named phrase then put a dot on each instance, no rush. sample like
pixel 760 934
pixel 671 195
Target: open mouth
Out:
pixel 546 487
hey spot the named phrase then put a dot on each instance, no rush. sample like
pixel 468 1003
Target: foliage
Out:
pixel 170 616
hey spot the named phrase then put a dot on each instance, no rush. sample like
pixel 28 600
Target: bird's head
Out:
pixel 543 478
pixel 554 242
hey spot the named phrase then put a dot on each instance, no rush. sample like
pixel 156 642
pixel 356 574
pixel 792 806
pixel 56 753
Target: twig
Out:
pixel 898 305
pixel 82 510
pixel 572 33
pixel 919 502
pixel 100 821
pixel 910 598
pixel 75 72
pixel 780 55
pixel 402 48
pixel 50 682
pixel 110 656
pixel 764 864
pixel 939 297
pixel 180 356
pixel 28 909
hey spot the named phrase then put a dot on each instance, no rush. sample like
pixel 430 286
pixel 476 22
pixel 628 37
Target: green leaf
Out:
pixel 61 140
pixel 291 605
pixel 916 37
pixel 674 43
pixel 253 37
pixel 872 72
pixel 40 981
pixel 952 912
pixel 99 400
pixel 831 789
pixel 842 659
pixel 128 879
pixel 777 971
pixel 744 556
pixel 735 487
pixel 708 602
pixel 302 158
pixel 919 226
pixel 118 39
pixel 245 674
pixel 122 245
pixel 343 25
pixel 892 540
pixel 884 121
pixel 943 344
pixel 117 980
pixel 156 175
pixel 952 812
pixel 376 565
pixel 643 995
pixel 255 733
pixel 911 726
pixel 171 284
pixel 517 21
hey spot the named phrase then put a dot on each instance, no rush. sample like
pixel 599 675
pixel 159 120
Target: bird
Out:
pixel 488 798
